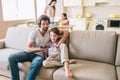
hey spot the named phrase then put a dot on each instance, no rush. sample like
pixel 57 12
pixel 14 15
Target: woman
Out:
pixel 64 20
pixel 50 9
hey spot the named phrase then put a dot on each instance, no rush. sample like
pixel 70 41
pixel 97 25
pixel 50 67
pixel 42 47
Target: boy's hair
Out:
pixel 55 30
pixel 43 17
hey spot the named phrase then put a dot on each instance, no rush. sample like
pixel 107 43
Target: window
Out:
pixel 40 7
pixel 18 9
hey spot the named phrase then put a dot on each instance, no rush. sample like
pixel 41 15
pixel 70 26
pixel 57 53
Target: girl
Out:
pixel 57 56
pixel 64 20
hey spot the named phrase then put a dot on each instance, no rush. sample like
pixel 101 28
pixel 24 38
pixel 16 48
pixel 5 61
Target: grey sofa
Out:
pixel 97 54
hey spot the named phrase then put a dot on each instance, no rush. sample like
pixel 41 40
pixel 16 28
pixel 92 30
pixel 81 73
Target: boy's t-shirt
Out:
pixel 53 51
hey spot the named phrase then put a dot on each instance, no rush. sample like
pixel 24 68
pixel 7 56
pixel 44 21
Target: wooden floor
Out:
pixel 4 78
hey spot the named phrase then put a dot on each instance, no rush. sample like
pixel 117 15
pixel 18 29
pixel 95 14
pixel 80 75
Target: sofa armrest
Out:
pixel 2 43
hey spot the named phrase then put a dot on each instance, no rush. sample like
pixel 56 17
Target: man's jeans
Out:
pixel 23 57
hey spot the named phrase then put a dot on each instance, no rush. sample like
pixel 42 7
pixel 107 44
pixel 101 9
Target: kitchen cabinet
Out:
pixel 72 3
pixel 68 3
pixel 114 2
pixel 79 23
pixel 101 1
pixel 88 2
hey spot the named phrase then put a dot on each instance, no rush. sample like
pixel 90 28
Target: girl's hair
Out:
pixel 64 14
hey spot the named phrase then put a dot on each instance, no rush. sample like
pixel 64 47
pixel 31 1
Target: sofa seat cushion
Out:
pixel 87 70
pixel 4 54
pixel 118 72
pixel 7 73
pixel 44 73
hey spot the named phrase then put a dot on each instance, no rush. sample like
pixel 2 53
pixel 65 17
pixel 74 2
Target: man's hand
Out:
pixel 65 34
pixel 43 49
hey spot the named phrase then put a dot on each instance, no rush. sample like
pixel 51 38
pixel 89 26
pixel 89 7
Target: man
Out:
pixel 36 45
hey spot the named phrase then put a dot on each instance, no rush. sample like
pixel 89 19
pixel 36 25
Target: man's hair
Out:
pixel 43 17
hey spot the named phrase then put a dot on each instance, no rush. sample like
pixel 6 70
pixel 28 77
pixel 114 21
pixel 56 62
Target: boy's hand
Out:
pixel 49 58
pixel 54 55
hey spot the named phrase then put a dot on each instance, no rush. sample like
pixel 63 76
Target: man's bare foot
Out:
pixel 69 74
pixel 72 61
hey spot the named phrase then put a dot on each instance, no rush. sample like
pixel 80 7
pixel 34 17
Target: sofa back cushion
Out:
pixel 93 45
pixel 17 37
pixel 118 52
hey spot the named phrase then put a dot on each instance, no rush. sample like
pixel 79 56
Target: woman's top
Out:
pixel 50 11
